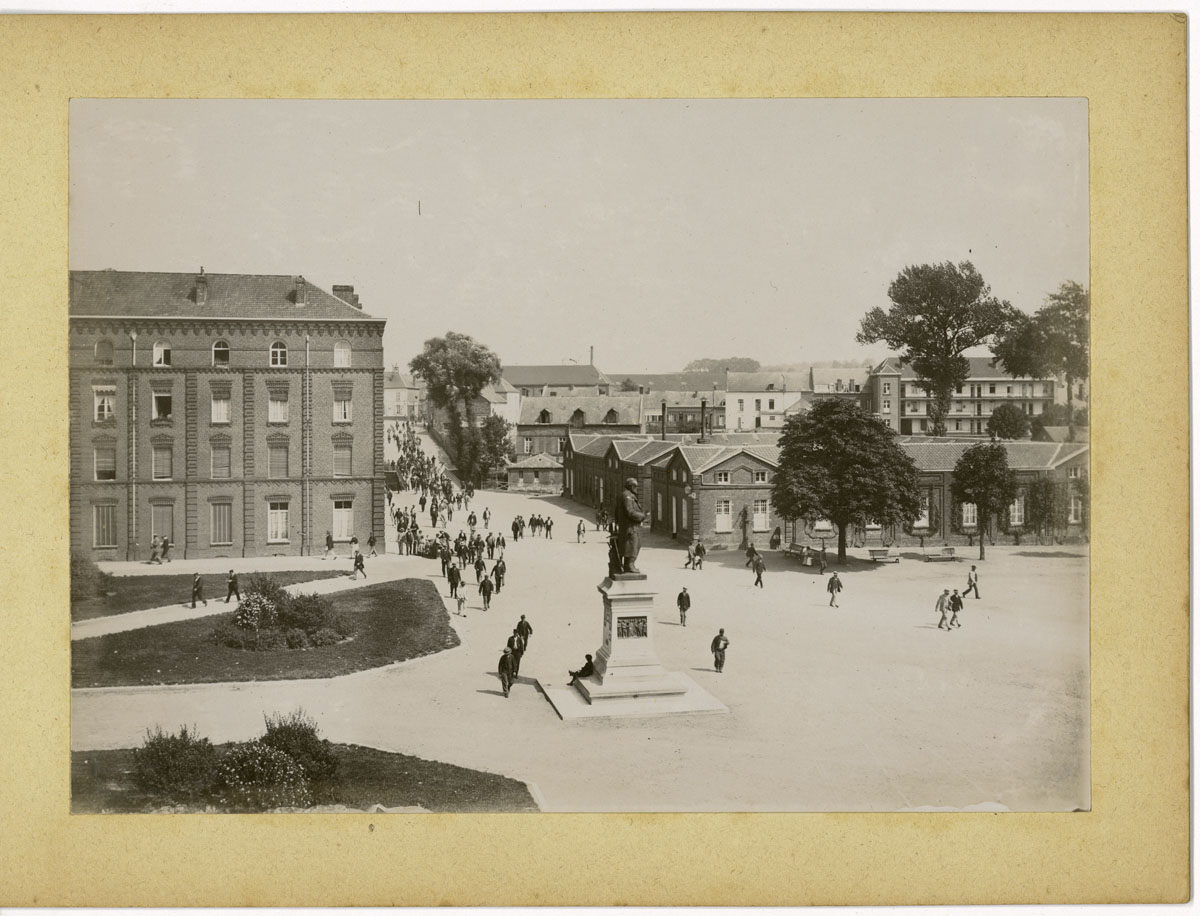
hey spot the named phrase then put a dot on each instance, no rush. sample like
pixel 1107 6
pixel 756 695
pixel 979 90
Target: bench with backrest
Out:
pixel 943 553
pixel 883 555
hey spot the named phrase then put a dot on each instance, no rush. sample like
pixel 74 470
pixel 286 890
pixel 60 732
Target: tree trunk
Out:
pixel 939 406
pixel 841 544
pixel 982 534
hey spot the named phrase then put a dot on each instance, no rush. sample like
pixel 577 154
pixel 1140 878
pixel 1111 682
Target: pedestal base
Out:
pixel 570 703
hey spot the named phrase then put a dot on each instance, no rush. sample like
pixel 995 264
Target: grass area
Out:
pixel 102 782
pixel 139 593
pixel 391 622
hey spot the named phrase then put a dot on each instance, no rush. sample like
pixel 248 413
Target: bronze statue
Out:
pixel 629 518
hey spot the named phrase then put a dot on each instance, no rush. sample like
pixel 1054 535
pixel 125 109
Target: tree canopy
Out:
pixel 456 368
pixel 981 477
pixel 733 364
pixel 1051 343
pixel 1008 421
pixel 838 462
pixel 938 312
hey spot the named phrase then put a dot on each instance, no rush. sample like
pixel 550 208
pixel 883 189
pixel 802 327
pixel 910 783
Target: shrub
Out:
pixel 296 735
pixel 269 589
pixel 87 580
pixel 255 612
pixel 175 769
pixel 230 634
pixel 306 612
pixel 255 777
pixel 296 638
pixel 326 637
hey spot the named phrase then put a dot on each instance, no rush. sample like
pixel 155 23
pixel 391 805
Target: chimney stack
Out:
pixel 664 419
pixel 591 356
pixel 703 414
pixel 347 295
pixel 301 291
pixel 201 288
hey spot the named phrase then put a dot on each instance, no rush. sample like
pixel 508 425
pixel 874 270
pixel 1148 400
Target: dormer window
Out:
pixel 279 353
pixel 610 417
pixel 220 353
pixel 544 416
pixel 162 354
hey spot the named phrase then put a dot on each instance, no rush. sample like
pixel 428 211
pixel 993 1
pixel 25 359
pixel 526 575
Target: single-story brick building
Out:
pixel 535 473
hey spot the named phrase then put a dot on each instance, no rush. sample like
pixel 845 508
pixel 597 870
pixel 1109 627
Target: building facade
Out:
pixel 686 411
pixel 550 381
pixel 763 400
pixel 535 474
pixel 403 397
pixel 236 415
pixel 547 421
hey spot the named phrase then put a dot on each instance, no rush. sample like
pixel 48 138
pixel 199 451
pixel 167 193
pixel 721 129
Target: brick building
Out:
pixel 536 473
pixel 685 411
pixel 238 415
pixel 546 421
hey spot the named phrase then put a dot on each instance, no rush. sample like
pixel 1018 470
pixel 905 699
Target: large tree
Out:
pixel 938 312
pixel 456 368
pixel 981 477
pixel 495 447
pixel 1051 343
pixel 838 462
pixel 1008 421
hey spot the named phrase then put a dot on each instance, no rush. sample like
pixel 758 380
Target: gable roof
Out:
pixel 697 456
pixel 540 460
pixel 1023 455
pixel 561 409
pixel 596 446
pixel 144 294
pixel 767 454
pixel 569 374
pixel 684 398
pixel 1060 434
pixel 981 368
pixel 394 379
pixel 758 381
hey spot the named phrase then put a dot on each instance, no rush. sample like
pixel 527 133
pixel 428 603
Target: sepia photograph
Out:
pixel 579 455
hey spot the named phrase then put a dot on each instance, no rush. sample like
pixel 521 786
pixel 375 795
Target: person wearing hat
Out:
pixel 719 644
pixel 629 519
pixel 231 583
pixel 525 628
pixel 516 643
pixel 943 607
pixel 834 586
pixel 587 670
pixel 198 590
pixel 684 601
pixel 507 672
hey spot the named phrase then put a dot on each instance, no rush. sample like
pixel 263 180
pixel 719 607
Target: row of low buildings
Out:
pixel 720 492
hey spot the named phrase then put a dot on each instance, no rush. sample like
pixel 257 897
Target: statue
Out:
pixel 629 517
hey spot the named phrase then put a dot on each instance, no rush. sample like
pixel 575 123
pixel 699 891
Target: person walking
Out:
pixel 480 570
pixel 498 572
pixel 154 548
pixel 956 605
pixel 506 670
pixel 231 586
pixel 834 586
pixel 485 590
pixel 548 523
pixel 701 551
pixel 751 553
pixel 371 545
pixel 516 530
pixel 942 606
pixel 581 533
pixel 198 590
pixel 691 557
pixel 684 603
pixel 359 566
pixel 491 545
pixel 487 517
pixel 719 645
pixel 461 601
pixel 525 628
pixel 166 549
pixel 328 545
pixel 517 644
pixel 972 583
pixel 454 577
pixel 759 568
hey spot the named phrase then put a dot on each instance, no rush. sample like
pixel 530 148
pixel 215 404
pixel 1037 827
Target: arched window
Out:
pixel 162 354
pixel 279 353
pixel 220 353
pixel 611 416
pixel 341 355
pixel 577 420
pixel 104 353
pixel 544 416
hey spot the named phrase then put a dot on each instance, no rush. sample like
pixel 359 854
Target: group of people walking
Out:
pixel 950 602
pixel 510 662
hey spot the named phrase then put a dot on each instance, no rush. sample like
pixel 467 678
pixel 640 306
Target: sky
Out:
pixel 657 232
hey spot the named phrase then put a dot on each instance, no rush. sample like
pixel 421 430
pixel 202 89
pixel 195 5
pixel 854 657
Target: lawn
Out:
pixel 102 782
pixel 391 622
pixel 139 593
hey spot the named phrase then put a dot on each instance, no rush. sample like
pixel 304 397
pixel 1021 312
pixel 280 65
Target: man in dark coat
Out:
pixel 506 670
pixel 498 572
pixel 629 520
pixel 198 590
pixel 759 568
pixel 454 577
pixel 684 602
pixel 517 644
pixel 586 671
pixel 485 590
pixel 232 587
pixel 719 644
pixel 525 628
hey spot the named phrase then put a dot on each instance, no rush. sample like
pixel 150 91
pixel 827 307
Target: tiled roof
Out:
pixel 765 437
pixel 596 447
pixel 503 387
pixel 579 440
pixel 696 456
pixel 690 398
pixel 758 381
pixel 1060 434
pixel 541 460
pixel 570 374
pixel 768 453
pixel 649 451
pixel 856 374
pixel 981 368
pixel 561 409
pixel 393 379
pixel 1023 455
pixel 142 294
pixel 672 381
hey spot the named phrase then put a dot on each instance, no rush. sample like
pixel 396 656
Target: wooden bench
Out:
pixel 946 553
pixel 797 551
pixel 883 555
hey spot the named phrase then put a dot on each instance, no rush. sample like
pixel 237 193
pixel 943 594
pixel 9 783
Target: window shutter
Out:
pixel 220 461
pixel 278 461
pixel 342 455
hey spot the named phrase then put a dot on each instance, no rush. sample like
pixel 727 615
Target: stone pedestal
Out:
pixel 629 680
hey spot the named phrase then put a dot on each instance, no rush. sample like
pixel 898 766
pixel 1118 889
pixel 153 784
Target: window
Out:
pixel 341 355
pixel 277 407
pixel 741 404
pixel 658 506
pixel 562 444
pixel 957 425
pixel 1076 511
pixel 277 461
pixel 544 416
pixel 722 477
pixel 970 518
pixel 104 353
pixel 991 389
pixel 724 515
pixel 277 523
pixel 162 521
pixel 220 530
pixel 343 408
pixel 220 407
pixel 342 459
pixel 343 519
pixel 760 515
pixel 771 404
pixel 104 460
pixel 887 405
pixel 1008 389
pixel 528 446
pixel 162 354
pixel 958 389
pixel 104 526
pixel 162 462
pixel 279 353
pixel 220 353
pixel 220 462
pixel 888 422
pixel 760 476
pixel 683 513
pixel 758 403
pixel 577 419
pixel 162 407
pixel 923 519
pixel 104 399
pixel 610 417
pixel 537 476
pixel 1016 512
pixel 1072 473
pixel 887 387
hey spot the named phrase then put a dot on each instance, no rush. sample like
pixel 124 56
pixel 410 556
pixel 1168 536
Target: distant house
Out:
pixel 546 421
pixel 761 400
pixel 402 396
pixel 535 473
pixel 684 411
pixel 551 381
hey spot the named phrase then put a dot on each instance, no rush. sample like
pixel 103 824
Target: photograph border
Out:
pixel 1132 846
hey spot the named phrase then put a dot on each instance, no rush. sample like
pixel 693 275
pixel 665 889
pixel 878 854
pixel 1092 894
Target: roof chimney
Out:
pixel 301 291
pixel 664 419
pixel 591 356
pixel 346 294
pixel 703 415
pixel 201 288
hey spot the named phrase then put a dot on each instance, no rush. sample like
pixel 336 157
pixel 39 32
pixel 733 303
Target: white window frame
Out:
pixel 95 462
pixel 213 509
pixel 275 413
pixel 760 476
pixel 887 404
pixel 528 446
pixel 278 522
pixel 223 347
pixel 220 417
pixel 155 414
pixel 761 521
pixel 107 512
pixel 1073 473
pixel 1075 510
pixel 341 354
pixel 343 409
pixel 683 513
pixel 343 519
pixel 1016 511
pixel 887 387
pixel 162 354
pixel 721 477
pixel 970 515
pixel 723 515
pixel 104 402
pixel 658 504
pixel 169 451
pixel 278 354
